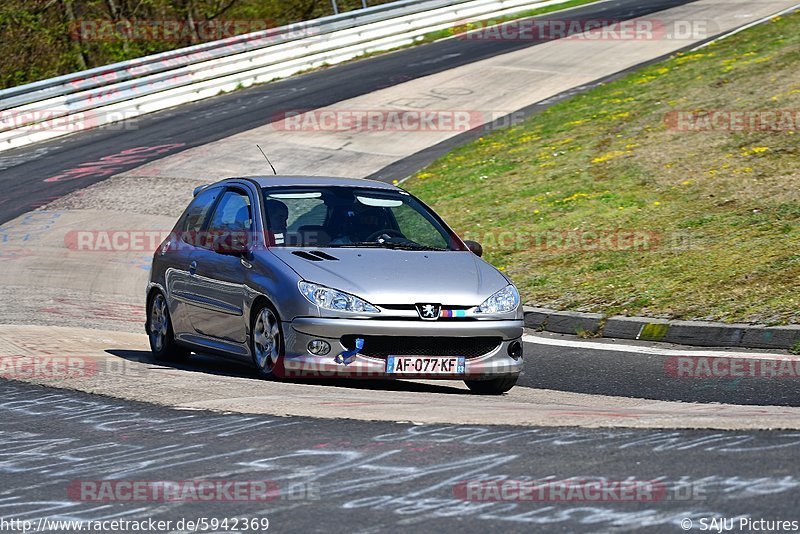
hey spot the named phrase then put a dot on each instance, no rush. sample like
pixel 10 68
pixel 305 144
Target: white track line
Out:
pixel 593 345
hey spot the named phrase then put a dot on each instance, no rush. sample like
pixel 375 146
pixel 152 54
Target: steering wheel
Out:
pixel 387 231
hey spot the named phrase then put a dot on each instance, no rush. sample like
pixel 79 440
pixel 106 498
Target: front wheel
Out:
pixel 495 386
pixel 160 333
pixel 266 342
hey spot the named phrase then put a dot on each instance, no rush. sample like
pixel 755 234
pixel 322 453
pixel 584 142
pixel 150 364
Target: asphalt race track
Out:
pixel 364 477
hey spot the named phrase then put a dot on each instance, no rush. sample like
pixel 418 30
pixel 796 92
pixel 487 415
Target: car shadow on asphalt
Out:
pixel 220 366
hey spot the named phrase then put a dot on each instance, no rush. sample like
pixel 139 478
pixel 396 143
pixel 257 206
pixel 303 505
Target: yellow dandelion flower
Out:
pixel 611 155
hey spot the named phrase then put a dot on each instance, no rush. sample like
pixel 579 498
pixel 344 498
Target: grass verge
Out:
pixel 601 204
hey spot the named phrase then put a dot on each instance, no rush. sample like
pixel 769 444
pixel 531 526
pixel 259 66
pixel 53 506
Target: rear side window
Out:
pixel 197 213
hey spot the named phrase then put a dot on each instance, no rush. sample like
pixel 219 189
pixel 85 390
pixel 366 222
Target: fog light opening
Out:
pixel 319 347
pixel 515 350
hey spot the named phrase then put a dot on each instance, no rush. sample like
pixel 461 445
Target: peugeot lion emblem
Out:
pixel 429 312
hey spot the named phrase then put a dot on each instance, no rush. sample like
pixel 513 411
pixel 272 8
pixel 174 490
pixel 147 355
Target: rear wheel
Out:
pixel 160 333
pixel 266 342
pixel 495 386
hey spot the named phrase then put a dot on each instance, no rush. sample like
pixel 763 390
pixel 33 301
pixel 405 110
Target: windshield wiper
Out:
pixel 358 244
pixel 407 245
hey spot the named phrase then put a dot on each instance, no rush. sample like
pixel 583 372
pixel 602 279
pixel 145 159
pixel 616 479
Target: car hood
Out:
pixel 385 276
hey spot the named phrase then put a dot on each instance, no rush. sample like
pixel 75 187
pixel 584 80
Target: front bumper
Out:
pixel 298 362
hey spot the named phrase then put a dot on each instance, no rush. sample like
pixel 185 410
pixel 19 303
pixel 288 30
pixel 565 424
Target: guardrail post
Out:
pixel 335 7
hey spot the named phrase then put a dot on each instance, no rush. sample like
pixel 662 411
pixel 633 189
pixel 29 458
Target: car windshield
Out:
pixel 353 217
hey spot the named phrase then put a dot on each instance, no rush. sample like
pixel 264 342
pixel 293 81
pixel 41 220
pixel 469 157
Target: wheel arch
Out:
pixel 152 290
pixel 259 301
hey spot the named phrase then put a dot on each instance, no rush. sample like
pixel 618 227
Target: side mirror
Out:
pixel 474 247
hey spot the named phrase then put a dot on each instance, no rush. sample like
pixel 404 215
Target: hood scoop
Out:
pixel 314 255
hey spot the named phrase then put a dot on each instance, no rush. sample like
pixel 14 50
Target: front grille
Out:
pixel 383 346
pixel 413 308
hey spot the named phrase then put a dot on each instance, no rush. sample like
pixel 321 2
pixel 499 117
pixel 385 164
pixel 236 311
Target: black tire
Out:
pixel 266 342
pixel 160 333
pixel 495 386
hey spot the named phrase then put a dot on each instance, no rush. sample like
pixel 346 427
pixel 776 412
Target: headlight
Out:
pixel 331 299
pixel 504 301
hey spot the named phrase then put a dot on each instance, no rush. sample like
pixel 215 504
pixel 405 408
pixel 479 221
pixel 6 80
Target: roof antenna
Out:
pixel 268 161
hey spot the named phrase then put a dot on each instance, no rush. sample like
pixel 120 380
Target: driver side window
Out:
pixel 196 215
pixel 232 220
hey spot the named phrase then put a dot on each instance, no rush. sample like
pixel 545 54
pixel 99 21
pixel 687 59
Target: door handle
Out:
pixel 192 267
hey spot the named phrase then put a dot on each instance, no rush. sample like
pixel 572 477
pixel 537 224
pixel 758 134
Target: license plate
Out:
pixel 425 365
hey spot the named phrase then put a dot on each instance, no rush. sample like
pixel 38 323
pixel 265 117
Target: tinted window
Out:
pixel 413 225
pixel 230 224
pixel 305 212
pixel 352 217
pixel 232 214
pixel 197 213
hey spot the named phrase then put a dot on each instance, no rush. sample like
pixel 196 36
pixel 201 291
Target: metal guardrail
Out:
pixel 124 70
pixel 87 99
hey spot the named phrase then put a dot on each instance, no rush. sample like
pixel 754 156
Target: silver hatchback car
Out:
pixel 332 277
